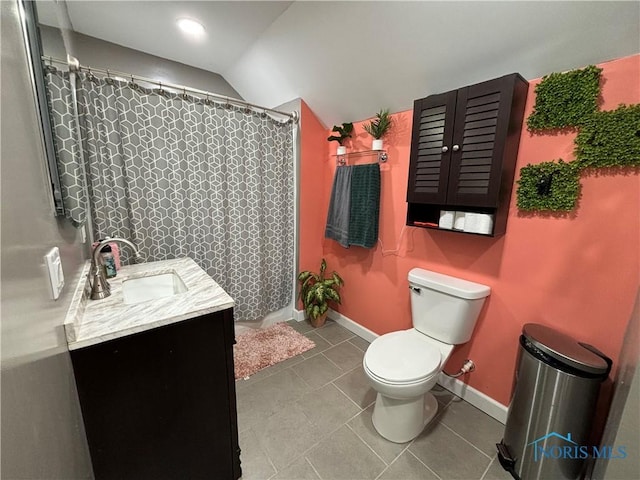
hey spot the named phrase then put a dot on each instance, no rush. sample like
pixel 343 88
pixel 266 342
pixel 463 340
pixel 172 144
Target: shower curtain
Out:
pixel 182 176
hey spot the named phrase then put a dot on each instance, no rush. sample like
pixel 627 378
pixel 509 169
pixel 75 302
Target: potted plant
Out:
pixel 316 292
pixel 344 132
pixel 378 127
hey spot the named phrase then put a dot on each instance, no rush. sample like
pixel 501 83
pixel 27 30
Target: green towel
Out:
pixel 365 205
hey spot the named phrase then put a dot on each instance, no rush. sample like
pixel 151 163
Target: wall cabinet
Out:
pixel 464 147
pixel 161 404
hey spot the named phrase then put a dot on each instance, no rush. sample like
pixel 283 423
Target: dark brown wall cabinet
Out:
pixel 463 151
pixel 161 404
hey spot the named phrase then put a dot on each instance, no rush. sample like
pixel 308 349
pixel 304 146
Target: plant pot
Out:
pixel 318 322
pixel 376 144
pixel 341 150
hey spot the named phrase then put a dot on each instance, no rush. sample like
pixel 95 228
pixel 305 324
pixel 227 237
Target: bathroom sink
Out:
pixel 143 289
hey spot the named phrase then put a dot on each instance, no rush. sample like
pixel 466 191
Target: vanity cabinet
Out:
pixel 464 147
pixel 161 404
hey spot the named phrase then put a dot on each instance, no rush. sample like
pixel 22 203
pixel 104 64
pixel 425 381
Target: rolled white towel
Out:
pixel 459 221
pixel 478 223
pixel 484 223
pixel 446 219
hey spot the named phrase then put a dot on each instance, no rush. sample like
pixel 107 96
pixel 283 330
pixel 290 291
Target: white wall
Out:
pixel 94 52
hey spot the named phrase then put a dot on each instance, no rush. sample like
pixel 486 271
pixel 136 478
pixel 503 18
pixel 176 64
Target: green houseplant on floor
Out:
pixel 316 292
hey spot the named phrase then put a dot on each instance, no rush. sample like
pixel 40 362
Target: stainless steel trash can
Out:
pixel 555 391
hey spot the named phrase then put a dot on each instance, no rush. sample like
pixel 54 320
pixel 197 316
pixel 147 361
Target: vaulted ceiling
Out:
pixel 349 59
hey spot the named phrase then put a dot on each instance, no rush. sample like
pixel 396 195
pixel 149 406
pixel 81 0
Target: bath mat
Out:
pixel 261 348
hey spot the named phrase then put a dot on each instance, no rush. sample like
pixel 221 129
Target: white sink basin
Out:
pixel 143 289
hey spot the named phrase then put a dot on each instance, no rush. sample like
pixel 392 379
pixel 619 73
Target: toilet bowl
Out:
pixel 402 367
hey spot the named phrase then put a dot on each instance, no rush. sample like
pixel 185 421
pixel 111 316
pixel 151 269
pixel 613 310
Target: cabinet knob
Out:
pixel 456 148
pixel 445 149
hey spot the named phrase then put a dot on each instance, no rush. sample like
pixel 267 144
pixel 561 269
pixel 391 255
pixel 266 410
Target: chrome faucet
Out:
pixel 100 288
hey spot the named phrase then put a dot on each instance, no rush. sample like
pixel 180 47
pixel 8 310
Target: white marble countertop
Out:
pixel 89 322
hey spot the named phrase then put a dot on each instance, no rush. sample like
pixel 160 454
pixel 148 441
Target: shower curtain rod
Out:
pixel 202 93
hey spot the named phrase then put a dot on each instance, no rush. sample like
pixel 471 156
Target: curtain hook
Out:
pixel 109 80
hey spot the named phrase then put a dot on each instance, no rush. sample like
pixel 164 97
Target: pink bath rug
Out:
pixel 261 348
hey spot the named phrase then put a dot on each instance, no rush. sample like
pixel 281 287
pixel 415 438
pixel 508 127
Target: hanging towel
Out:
pixel 365 205
pixel 339 207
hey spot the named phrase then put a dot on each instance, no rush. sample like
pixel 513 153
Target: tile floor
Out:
pixel 310 418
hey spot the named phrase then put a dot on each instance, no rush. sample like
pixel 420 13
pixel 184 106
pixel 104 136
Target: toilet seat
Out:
pixel 401 358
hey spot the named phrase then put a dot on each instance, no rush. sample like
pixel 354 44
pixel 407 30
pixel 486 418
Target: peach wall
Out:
pixel 313 158
pixel 577 274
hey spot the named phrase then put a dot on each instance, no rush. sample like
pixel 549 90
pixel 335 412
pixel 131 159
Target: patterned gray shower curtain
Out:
pixel 181 176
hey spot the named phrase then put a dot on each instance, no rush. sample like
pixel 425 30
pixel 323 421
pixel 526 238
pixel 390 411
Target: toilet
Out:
pixel 403 366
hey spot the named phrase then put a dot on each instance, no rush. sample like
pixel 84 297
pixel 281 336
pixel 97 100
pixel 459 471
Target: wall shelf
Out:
pixel 342 159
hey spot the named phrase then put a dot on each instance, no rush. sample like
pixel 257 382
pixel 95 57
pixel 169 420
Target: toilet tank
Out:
pixel 443 307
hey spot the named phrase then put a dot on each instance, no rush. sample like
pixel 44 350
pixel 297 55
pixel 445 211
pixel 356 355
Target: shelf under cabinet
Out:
pixel 430 213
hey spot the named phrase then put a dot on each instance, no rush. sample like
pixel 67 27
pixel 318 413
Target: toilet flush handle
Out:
pixel 415 289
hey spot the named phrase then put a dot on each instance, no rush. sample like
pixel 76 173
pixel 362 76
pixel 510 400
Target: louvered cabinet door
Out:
pixel 433 119
pixel 481 127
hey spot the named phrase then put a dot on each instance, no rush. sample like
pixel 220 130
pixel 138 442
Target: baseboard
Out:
pixel 352 326
pixel 298 315
pixel 469 394
pixel 475 397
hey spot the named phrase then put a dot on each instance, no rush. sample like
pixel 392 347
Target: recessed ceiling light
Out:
pixel 190 26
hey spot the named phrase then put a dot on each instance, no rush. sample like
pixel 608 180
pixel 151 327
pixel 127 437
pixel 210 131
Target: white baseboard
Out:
pixel 352 326
pixel 475 397
pixel 298 315
pixel 469 394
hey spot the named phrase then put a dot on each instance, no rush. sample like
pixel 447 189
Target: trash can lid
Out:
pixel 564 348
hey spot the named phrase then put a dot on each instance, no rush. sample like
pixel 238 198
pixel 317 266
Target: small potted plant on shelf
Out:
pixel 378 127
pixel 344 131
pixel 316 292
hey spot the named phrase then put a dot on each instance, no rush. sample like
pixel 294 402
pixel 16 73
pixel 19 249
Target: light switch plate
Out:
pixel 56 275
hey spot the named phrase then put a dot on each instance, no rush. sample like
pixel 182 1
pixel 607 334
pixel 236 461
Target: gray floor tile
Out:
pixel 316 371
pixel 474 425
pixel 443 396
pixel 448 455
pixel 334 333
pixel 286 435
pixel 345 355
pixel 360 342
pixel 356 386
pixel 289 362
pixel 407 467
pixel 255 463
pixel 328 408
pixel 496 472
pixel 321 344
pixel 363 426
pixel 286 409
pixel 302 327
pixel 262 399
pixel 343 456
pixel 265 372
pixel 301 469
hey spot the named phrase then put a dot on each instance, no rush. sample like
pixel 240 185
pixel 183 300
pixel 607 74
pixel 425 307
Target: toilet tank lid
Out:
pixel 447 284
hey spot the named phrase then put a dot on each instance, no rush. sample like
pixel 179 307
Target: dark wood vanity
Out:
pixel 161 404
